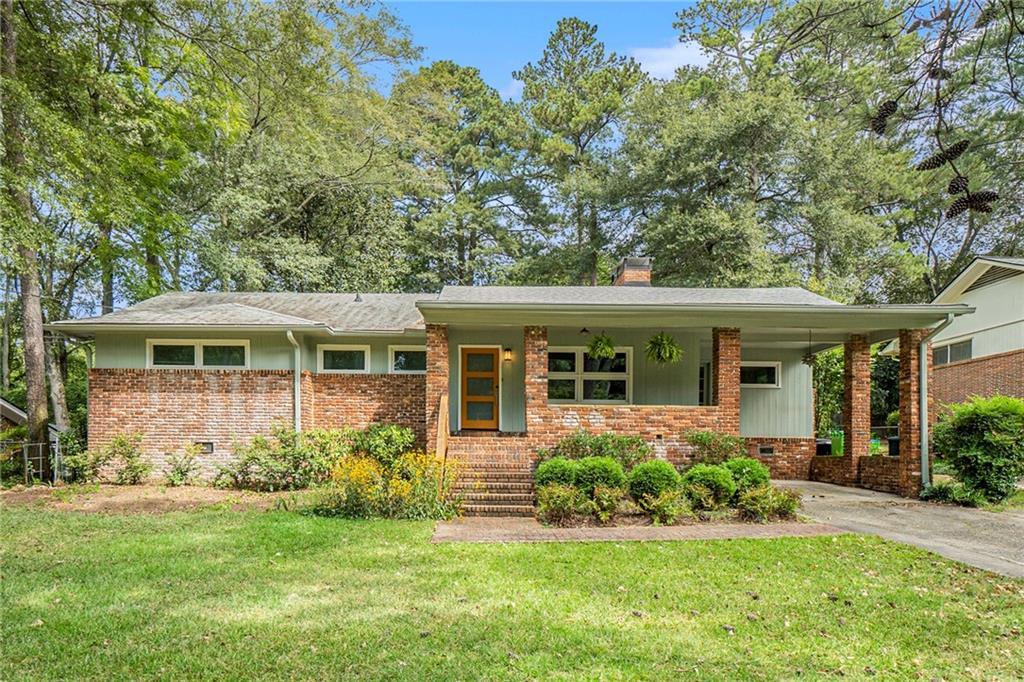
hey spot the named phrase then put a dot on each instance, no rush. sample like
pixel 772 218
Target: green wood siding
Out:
pixel 784 412
pixel 512 403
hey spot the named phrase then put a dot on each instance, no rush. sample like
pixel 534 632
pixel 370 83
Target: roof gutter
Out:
pixel 922 358
pixel 297 388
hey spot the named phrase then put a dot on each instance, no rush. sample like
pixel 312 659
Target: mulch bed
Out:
pixel 132 499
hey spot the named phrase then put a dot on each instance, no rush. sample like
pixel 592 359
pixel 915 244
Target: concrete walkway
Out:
pixel 993 541
pixel 521 529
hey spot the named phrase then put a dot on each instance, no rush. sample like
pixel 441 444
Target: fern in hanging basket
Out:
pixel 601 347
pixel 663 349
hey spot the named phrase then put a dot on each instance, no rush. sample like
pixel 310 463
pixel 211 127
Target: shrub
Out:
pixel 650 479
pixel 764 503
pixel 667 507
pixel 384 442
pixel 626 450
pixel 747 473
pixel 982 440
pixel 280 462
pixel 712 447
pixel 127 449
pixel 708 486
pixel 598 471
pixel 561 505
pixel 182 468
pixel 558 470
pixel 604 501
pixel 953 493
pixel 416 486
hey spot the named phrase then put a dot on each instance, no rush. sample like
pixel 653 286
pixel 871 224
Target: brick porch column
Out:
pixel 725 367
pixel 437 379
pixel 535 361
pixel 856 402
pixel 910 413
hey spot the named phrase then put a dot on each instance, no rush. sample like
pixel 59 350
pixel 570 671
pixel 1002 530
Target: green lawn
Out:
pixel 235 595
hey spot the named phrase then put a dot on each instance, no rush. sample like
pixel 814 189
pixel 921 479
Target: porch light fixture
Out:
pixel 506 355
pixel 808 358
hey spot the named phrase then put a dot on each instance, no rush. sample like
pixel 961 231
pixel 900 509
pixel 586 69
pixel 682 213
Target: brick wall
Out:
pixel 172 408
pixel 910 413
pixel 359 400
pixel 986 376
pixel 880 473
pixel 837 470
pixel 437 380
pixel 791 459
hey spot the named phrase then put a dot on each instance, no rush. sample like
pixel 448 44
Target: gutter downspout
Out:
pixel 922 358
pixel 297 389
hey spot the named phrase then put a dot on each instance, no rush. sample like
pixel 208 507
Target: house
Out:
pixel 982 354
pixel 490 374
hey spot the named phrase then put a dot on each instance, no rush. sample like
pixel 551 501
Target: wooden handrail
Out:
pixel 441 447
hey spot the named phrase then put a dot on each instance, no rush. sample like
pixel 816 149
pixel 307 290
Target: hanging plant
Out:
pixel 601 347
pixel 663 349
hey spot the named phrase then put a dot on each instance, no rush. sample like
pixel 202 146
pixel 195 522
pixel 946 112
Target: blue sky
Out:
pixel 500 37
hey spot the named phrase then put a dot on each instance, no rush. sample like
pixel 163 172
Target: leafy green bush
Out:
pixel 982 440
pixel 281 462
pixel 181 469
pixel 650 479
pixel 384 442
pixel 712 447
pixel 954 493
pixel 667 507
pixel 708 486
pixel 558 470
pixel 415 486
pixel 598 471
pixel 626 450
pixel 604 501
pixel 561 505
pixel 747 473
pixel 765 503
pixel 127 448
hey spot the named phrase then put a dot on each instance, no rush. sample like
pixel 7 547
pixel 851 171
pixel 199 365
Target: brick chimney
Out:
pixel 633 272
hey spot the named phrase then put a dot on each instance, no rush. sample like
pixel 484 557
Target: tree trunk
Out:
pixel 55 373
pixel 106 268
pixel 5 338
pixel 28 265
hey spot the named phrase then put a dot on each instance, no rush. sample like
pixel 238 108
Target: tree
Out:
pixel 575 97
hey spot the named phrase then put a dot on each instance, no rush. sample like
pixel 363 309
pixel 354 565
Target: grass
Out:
pixel 1013 502
pixel 241 595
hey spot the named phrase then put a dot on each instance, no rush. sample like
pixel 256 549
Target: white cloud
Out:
pixel 662 62
pixel 514 90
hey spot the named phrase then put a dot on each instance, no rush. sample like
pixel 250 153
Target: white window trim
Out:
pixel 334 346
pixel 391 359
pixel 579 375
pixel 198 345
pixel 764 363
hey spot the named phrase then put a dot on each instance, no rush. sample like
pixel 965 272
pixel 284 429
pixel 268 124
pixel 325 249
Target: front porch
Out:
pixel 532 385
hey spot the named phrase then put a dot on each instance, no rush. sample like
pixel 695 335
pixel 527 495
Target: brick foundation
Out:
pixel 880 473
pixel 835 470
pixel 791 459
pixel 1000 374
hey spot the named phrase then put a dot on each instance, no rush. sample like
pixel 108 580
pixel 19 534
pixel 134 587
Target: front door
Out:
pixel 479 388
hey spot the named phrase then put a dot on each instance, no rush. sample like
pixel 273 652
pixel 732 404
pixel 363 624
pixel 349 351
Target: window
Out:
pixel 407 359
pixel 575 377
pixel 343 359
pixel 760 374
pixel 953 352
pixel 197 354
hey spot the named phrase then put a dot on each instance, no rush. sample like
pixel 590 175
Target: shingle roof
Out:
pixel 340 312
pixel 630 295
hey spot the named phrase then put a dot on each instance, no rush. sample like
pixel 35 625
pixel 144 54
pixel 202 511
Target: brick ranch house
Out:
pixel 490 374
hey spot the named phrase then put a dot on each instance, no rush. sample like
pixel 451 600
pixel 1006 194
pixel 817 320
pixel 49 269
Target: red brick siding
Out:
pixel 837 470
pixel 172 408
pixel 359 400
pixel 791 459
pixel 880 473
pixel 985 376
pixel 910 417
pixel 437 380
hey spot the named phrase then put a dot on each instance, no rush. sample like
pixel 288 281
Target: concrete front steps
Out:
pixel 496 475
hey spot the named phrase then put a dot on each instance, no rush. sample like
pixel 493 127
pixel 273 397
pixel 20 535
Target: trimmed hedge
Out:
pixel 709 486
pixel 747 473
pixel 592 472
pixel 650 479
pixel 558 470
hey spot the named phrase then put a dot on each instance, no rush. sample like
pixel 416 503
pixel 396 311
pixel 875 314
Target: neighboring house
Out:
pixel 11 416
pixel 982 354
pixel 510 364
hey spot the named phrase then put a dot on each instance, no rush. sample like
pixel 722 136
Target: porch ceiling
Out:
pixel 828 324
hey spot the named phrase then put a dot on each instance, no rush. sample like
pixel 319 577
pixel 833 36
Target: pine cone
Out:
pixel 954 150
pixel 878 125
pixel 932 162
pixel 939 73
pixel 957 185
pixel 982 208
pixel 957 207
pixel 887 109
pixel 984 196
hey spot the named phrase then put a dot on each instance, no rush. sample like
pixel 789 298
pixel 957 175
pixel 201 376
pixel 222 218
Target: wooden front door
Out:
pixel 479 390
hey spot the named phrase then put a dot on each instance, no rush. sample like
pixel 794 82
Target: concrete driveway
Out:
pixel 993 541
